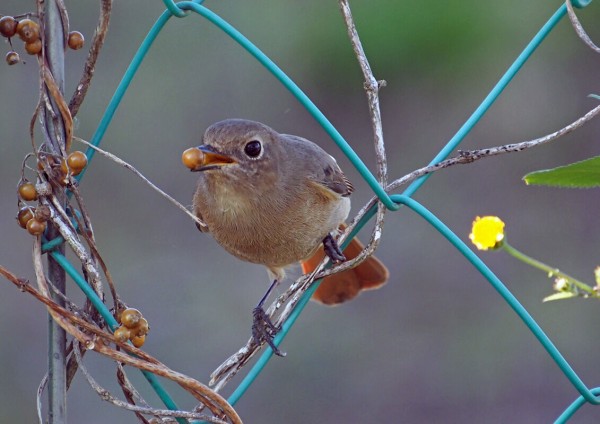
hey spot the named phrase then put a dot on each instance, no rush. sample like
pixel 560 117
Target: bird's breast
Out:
pixel 275 228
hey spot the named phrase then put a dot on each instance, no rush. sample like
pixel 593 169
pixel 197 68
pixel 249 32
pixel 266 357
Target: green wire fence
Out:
pixel 391 202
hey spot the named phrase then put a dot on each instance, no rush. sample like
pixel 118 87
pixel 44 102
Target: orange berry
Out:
pixel 122 334
pixel 34 47
pixel 130 317
pixel 142 328
pixel 35 227
pixel 192 157
pixel 8 26
pixel 28 30
pixel 28 192
pixel 24 216
pixel 138 341
pixel 76 162
pixel 12 58
pixel 75 40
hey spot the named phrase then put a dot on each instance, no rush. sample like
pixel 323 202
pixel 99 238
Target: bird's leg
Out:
pixel 263 328
pixel 333 250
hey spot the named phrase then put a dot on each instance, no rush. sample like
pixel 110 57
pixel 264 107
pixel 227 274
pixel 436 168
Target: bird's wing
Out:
pixel 326 171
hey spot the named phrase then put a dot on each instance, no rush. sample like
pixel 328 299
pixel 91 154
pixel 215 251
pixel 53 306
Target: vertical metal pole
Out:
pixel 55 53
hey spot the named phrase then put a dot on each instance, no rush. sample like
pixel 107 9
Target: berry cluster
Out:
pixel 133 327
pixel 29 32
pixel 33 219
pixel 58 169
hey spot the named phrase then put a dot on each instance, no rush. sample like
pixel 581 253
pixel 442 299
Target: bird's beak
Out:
pixel 212 159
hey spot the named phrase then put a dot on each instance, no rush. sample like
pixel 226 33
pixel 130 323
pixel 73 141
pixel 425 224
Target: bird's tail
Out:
pixel 338 288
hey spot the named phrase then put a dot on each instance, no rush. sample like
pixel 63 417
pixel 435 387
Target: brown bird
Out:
pixel 274 199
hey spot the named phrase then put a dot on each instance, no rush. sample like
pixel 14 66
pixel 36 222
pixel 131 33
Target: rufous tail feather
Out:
pixel 341 287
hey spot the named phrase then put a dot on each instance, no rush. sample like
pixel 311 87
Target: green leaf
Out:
pixel 559 296
pixel 584 174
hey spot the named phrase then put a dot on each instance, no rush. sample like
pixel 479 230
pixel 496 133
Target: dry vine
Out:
pixel 53 181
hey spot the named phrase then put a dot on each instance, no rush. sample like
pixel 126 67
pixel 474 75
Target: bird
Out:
pixel 276 200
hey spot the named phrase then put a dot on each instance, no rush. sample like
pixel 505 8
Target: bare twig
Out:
pixel 372 89
pixel 372 86
pixel 90 64
pixel 87 233
pixel 38 398
pixel 68 233
pixel 146 180
pixel 579 28
pixel 108 397
pixel 465 157
pixel 130 392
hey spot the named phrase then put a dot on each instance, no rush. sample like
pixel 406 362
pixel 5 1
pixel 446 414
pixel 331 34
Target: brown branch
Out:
pixel 54 91
pixel 94 51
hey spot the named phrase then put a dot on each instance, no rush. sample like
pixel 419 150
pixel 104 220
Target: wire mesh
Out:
pixel 391 202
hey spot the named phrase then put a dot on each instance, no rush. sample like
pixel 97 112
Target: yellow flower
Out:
pixel 487 232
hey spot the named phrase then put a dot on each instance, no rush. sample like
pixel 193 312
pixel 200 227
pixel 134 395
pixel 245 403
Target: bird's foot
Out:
pixel 332 250
pixel 263 329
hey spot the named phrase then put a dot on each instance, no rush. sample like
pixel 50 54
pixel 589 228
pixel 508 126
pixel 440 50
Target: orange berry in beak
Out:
pixel 192 158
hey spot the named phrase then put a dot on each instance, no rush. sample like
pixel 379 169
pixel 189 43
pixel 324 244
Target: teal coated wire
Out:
pixel 115 101
pixel 268 353
pixel 491 97
pixel 580 4
pixel 175 9
pixel 570 411
pixel 443 154
pixel 113 324
pixel 504 292
pixel 86 289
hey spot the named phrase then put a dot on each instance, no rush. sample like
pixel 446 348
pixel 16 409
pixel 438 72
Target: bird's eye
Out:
pixel 253 148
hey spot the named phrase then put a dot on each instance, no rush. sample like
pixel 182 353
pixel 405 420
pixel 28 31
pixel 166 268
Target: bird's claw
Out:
pixel 332 250
pixel 263 329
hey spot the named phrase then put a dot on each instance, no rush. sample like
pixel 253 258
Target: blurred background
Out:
pixel 437 343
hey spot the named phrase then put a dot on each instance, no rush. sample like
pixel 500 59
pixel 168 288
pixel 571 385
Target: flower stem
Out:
pixel 552 272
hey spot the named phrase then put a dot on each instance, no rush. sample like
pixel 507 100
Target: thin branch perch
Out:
pixel 146 180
